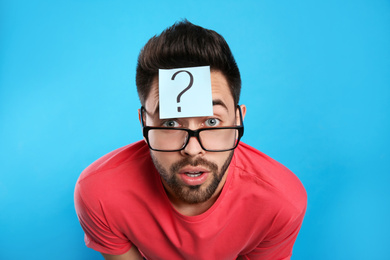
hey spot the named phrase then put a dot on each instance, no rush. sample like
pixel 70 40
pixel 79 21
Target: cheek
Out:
pixel 219 158
pixel 165 159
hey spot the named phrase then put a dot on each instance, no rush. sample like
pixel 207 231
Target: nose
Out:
pixel 193 148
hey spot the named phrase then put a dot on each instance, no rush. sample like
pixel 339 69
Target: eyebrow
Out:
pixel 219 102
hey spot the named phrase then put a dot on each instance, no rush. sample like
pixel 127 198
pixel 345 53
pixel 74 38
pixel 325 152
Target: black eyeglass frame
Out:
pixel 192 133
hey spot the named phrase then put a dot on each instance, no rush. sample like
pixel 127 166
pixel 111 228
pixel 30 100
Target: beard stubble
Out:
pixel 196 193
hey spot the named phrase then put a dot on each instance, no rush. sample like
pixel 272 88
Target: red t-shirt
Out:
pixel 120 201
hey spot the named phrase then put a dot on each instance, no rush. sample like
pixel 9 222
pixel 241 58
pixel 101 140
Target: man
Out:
pixel 190 189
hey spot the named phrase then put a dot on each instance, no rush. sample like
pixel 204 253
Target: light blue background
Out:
pixel 316 79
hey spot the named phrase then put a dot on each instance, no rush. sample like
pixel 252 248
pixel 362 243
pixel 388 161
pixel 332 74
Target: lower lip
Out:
pixel 193 181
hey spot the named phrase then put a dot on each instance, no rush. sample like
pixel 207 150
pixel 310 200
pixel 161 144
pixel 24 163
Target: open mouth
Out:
pixel 193 174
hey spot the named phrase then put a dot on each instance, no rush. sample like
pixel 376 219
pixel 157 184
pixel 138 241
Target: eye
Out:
pixel 212 122
pixel 170 123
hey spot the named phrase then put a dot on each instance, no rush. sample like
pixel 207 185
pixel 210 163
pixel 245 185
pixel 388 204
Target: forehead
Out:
pixel 220 92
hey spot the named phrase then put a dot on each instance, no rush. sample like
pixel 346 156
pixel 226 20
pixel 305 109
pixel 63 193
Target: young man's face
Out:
pixel 194 175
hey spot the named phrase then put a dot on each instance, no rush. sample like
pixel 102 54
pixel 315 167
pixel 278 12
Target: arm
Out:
pixel 98 234
pixel 132 254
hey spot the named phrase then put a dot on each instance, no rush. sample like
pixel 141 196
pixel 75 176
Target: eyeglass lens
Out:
pixel 175 139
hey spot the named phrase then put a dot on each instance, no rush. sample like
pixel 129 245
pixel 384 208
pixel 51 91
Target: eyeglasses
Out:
pixel 172 139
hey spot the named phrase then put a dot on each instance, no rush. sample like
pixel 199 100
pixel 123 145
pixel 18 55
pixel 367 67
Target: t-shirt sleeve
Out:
pixel 98 233
pixel 278 245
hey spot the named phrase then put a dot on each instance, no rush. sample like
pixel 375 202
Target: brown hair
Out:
pixel 186 45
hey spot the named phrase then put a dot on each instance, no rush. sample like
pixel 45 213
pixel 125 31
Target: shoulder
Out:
pixel 103 192
pixel 269 179
pixel 114 173
pixel 129 153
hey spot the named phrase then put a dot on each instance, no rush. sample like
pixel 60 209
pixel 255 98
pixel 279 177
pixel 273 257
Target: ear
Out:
pixel 139 116
pixel 140 122
pixel 243 112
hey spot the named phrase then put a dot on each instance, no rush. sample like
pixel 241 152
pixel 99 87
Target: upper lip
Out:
pixel 193 169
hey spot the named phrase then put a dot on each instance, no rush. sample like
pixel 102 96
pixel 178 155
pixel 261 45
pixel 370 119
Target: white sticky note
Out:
pixel 185 92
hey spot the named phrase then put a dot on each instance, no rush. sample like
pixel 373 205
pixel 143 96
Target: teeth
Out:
pixel 193 174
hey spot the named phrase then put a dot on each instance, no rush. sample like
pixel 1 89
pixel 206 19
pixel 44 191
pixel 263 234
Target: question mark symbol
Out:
pixel 184 90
